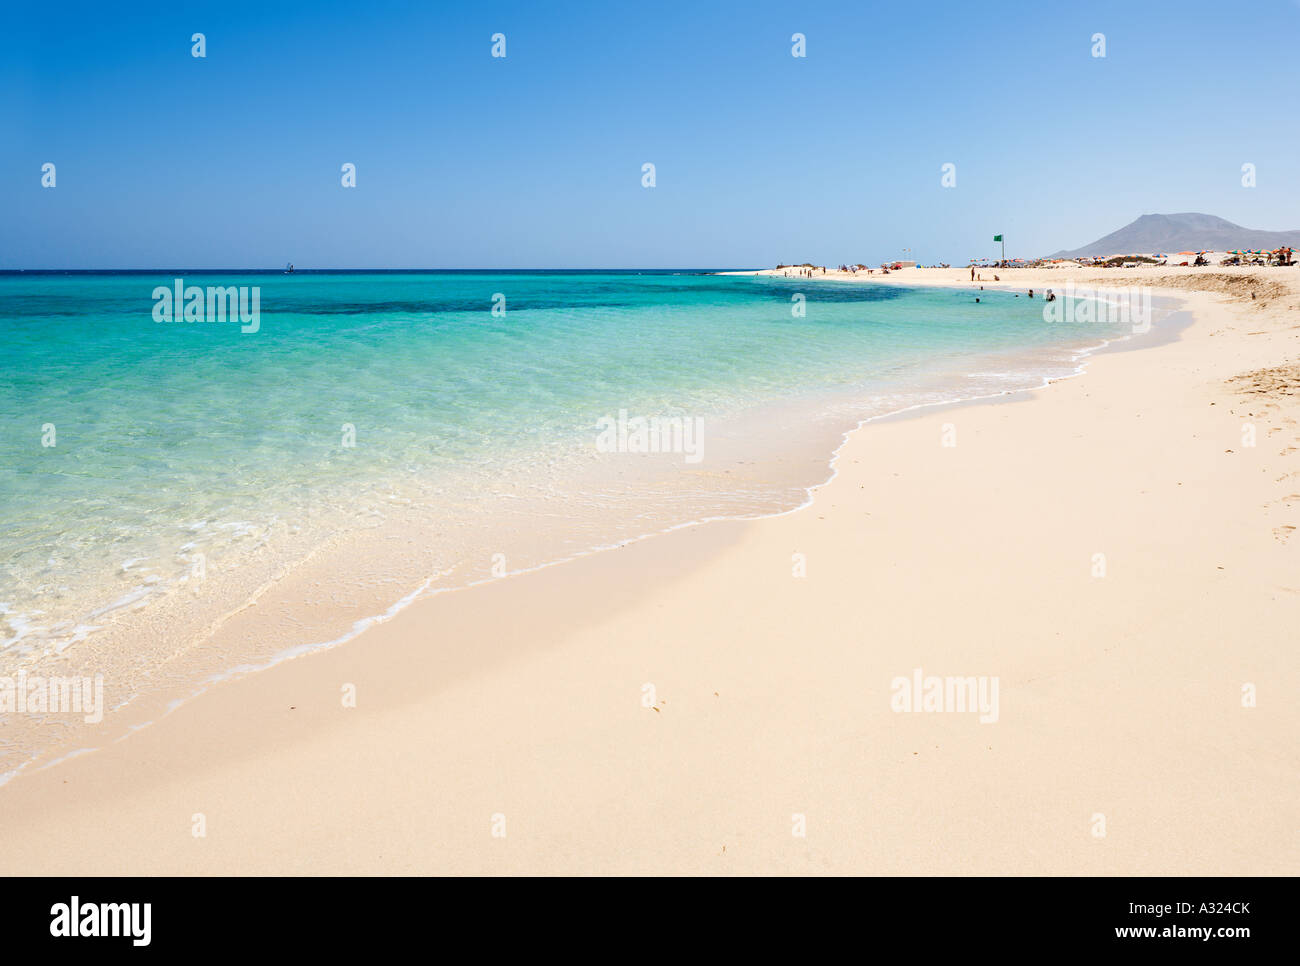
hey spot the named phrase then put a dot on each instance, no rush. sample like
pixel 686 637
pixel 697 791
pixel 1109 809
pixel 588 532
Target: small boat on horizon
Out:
pixel 288 268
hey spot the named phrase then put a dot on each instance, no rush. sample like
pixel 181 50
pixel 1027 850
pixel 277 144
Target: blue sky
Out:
pixel 534 160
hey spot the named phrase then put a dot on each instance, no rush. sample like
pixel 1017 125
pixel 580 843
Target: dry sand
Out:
pixel 518 705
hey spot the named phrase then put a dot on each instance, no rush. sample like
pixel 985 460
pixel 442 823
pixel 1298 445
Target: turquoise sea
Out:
pixel 139 456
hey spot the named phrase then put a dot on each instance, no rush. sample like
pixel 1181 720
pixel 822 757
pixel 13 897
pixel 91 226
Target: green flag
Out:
pixel 997 238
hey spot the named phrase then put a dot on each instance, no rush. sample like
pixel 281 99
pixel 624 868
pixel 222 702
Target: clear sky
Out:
pixel 534 160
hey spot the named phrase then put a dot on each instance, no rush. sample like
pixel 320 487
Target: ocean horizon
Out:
pixel 373 271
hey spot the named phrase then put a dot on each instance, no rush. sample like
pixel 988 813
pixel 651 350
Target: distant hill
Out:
pixel 1184 232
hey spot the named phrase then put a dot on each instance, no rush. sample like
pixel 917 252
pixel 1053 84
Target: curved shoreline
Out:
pixel 425 590
pixel 524 698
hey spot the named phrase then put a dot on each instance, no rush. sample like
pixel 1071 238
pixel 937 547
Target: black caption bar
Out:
pixel 329 916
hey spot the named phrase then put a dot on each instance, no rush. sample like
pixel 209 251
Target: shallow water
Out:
pixel 392 427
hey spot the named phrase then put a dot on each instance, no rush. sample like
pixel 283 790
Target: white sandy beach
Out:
pixel 517 706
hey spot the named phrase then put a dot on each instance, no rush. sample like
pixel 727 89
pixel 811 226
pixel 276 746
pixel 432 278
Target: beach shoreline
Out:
pixel 523 697
pixel 355 563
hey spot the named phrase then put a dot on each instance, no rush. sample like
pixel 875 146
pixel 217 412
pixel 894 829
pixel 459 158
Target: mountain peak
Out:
pixel 1184 231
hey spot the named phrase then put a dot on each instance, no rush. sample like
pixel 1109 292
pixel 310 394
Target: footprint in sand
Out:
pixel 1282 533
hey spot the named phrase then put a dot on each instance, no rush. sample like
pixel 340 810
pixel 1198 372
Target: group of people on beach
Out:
pixel 1049 297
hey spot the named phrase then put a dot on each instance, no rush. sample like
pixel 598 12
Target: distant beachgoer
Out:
pixel 1031 293
pixel 972 273
pixel 996 279
pixel 977 299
